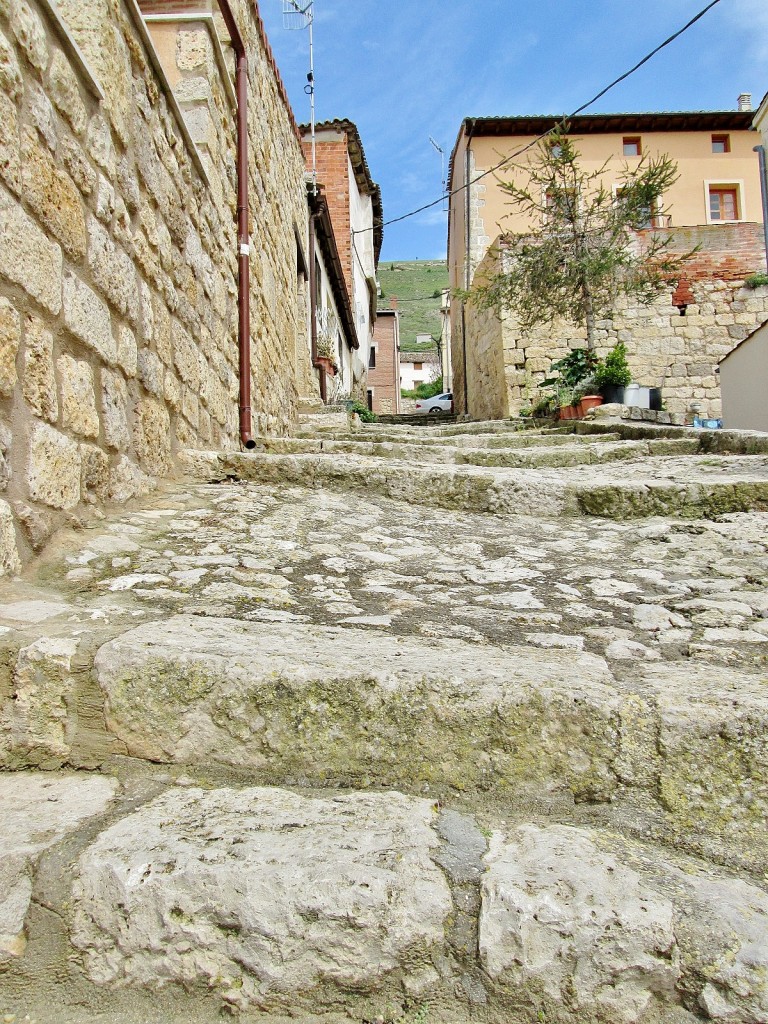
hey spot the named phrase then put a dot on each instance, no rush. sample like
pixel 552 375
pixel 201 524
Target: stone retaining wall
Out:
pixel 675 343
pixel 118 255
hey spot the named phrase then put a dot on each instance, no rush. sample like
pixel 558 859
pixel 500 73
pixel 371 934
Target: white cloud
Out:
pixel 752 16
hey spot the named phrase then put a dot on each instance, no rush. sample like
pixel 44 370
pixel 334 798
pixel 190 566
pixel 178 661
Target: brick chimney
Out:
pixel 393 302
pixel 745 101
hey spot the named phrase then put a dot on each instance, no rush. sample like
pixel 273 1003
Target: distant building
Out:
pixel 383 385
pixel 418 368
pixel 334 344
pixel 354 205
pixel 715 204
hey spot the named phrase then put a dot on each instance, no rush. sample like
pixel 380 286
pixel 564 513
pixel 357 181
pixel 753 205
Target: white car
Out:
pixel 437 403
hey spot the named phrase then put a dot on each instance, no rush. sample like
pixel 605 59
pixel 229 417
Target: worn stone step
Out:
pixel 491 439
pixel 730 442
pixel 653 486
pixel 303 705
pixel 442 429
pixel 178 902
pixel 580 453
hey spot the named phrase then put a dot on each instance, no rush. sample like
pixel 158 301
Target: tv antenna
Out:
pixel 442 165
pixel 298 15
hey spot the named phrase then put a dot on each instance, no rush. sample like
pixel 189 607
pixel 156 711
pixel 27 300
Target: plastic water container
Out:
pixel 637 396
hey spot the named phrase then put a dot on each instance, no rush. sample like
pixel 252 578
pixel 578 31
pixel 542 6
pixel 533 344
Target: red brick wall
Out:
pixel 385 379
pixel 726 252
pixel 333 175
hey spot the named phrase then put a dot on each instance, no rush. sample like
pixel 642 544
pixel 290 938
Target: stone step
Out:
pixel 654 486
pixel 429 439
pixel 576 453
pixel 441 429
pixel 293 704
pixel 417 419
pixel 182 902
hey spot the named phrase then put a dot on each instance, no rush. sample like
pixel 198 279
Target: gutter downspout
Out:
pixel 313 304
pixel 467 256
pixel 760 150
pixel 243 235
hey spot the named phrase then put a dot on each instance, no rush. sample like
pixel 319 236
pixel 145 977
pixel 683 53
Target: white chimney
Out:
pixel 745 101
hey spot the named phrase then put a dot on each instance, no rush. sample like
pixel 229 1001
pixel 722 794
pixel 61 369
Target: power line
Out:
pixel 562 121
pixel 417 298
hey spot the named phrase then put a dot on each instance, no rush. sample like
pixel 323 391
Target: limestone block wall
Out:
pixel 118 265
pixel 675 343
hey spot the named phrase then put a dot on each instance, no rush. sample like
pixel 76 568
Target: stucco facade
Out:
pixel 496 369
pixel 744 382
pixel 119 254
pixel 354 202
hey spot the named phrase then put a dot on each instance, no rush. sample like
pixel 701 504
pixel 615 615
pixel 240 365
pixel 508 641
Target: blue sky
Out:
pixel 403 70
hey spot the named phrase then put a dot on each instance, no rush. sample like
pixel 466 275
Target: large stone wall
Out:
pixel 675 343
pixel 118 257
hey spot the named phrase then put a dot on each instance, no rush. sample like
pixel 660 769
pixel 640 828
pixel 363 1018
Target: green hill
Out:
pixel 417 285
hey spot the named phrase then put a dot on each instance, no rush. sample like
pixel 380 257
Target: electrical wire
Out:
pixel 418 298
pixel 524 149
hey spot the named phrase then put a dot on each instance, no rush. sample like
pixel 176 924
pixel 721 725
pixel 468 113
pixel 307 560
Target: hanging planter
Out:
pixel 326 364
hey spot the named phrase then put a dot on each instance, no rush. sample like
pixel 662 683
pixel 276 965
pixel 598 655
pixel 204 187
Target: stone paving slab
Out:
pixel 688 487
pixel 271 905
pixel 363 708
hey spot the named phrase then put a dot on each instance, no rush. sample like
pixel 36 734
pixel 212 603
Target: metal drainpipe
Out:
pixel 243 236
pixel 313 305
pixel 760 150
pixel 467 257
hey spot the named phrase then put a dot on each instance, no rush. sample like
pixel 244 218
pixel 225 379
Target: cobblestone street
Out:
pixel 541 690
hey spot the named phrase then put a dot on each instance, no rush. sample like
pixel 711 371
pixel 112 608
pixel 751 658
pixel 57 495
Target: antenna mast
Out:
pixel 296 16
pixel 442 166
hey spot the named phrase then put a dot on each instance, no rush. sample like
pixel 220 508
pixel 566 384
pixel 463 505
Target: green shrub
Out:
pixel 572 369
pixel 434 387
pixel 362 411
pixel 614 372
pixel 756 280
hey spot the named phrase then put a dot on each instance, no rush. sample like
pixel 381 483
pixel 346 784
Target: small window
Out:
pixel 632 146
pixel 648 216
pixel 417 366
pixel 560 202
pixel 723 203
pixel 372 358
pixel 721 144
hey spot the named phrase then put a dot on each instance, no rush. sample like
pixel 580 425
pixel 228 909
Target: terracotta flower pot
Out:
pixel 590 402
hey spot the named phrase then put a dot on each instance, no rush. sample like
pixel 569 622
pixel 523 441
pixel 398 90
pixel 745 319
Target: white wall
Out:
pixel 411 377
pixel 744 383
pixel 363 267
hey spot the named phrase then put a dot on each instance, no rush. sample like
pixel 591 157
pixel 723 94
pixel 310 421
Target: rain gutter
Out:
pixel 243 236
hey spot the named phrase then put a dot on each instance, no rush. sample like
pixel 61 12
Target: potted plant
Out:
pixel 586 395
pixel 325 356
pixel 567 408
pixel 612 376
pixel 572 371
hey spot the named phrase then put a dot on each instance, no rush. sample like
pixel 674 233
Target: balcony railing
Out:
pixel 327 333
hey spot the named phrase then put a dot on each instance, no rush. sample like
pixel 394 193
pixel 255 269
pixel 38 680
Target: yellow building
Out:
pixel 718 187
pixel 718 170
